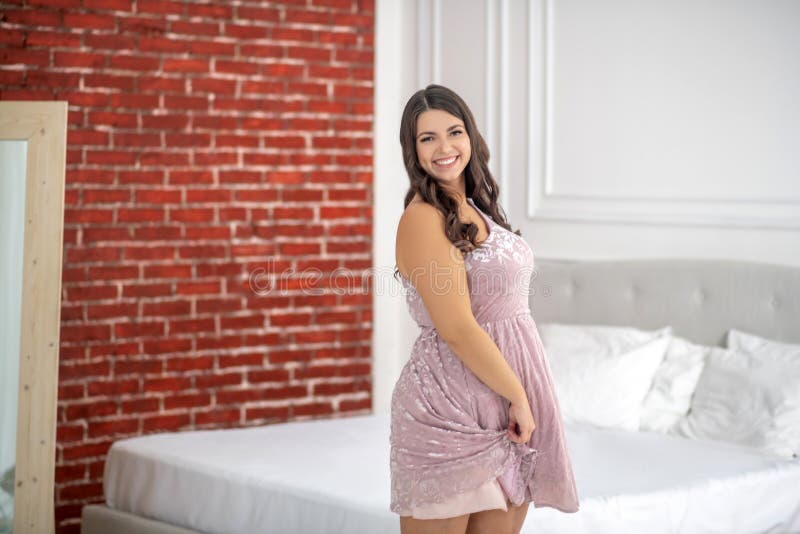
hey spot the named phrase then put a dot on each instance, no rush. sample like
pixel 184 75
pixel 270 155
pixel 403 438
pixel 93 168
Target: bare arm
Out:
pixel 436 269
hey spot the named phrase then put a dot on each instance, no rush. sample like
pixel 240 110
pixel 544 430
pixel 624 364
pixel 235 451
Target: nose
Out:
pixel 444 149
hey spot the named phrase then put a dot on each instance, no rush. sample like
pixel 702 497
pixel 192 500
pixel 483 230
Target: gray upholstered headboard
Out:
pixel 701 299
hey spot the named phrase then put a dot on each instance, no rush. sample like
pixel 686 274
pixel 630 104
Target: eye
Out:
pixel 424 139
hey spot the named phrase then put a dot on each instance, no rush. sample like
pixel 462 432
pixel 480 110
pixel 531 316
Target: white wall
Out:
pixel 395 81
pixel 617 129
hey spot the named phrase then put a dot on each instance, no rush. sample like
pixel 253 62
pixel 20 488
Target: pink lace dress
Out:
pixel 449 452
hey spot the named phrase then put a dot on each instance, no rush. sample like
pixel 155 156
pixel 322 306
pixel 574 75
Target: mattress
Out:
pixel 332 475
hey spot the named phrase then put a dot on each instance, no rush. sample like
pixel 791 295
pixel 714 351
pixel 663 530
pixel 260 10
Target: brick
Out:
pixel 85 332
pixel 105 196
pixel 108 5
pixel 218 380
pixel 166 422
pixel 113 387
pixel 191 215
pixel 94 292
pixel 354 405
pixel 113 272
pixel 85 410
pixel 190 326
pixel 93 254
pixel 86 450
pixel 187 401
pixel 245 31
pixel 207 29
pixel 217 416
pixel 166 384
pixel 164 346
pixel 79 491
pixel 160 7
pixel 138 406
pixel 33 17
pixel 146 290
pixel 113 349
pixel 166 308
pixel 114 428
pixel 127 367
pixel 315 408
pixel 148 329
pixel 222 342
pixel 257 13
pixel 108 311
pixel 209 10
pixel 276 413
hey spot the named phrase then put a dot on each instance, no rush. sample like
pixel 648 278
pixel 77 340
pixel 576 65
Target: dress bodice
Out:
pixel 499 274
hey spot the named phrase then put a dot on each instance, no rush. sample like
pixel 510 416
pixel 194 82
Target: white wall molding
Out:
pixel 547 199
pixel 429 37
pixel 492 85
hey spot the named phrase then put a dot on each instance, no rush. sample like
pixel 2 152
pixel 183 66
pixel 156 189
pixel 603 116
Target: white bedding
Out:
pixel 333 476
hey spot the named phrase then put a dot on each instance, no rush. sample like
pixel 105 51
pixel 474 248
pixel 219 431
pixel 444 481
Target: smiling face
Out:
pixel 443 146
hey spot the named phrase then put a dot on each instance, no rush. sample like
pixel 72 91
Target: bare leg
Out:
pixel 519 516
pixel 497 521
pixel 451 525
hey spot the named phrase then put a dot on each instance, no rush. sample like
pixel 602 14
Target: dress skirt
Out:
pixel 489 496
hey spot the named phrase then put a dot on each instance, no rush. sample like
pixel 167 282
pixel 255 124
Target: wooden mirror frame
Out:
pixel 44 126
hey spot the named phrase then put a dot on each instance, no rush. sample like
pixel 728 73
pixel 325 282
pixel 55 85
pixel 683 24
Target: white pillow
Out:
pixel 603 373
pixel 673 385
pixel 749 400
pixel 759 346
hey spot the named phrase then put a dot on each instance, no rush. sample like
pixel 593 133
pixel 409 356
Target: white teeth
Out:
pixel 446 161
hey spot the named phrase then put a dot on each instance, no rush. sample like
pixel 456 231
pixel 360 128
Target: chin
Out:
pixel 449 180
pixel 451 175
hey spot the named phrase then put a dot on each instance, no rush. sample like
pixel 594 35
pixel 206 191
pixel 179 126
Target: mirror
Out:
pixel 12 203
pixel 32 175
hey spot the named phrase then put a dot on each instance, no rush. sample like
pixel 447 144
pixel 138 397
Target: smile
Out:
pixel 446 163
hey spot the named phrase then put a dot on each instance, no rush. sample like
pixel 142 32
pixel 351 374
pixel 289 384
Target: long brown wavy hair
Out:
pixel 480 186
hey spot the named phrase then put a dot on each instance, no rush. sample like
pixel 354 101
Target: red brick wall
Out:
pixel 205 142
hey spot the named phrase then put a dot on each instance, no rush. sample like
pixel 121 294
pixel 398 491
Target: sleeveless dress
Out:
pixel 449 451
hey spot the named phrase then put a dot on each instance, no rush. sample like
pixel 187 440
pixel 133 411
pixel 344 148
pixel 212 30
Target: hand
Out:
pixel 520 422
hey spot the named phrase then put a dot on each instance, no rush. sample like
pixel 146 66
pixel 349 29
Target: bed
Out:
pixel 332 475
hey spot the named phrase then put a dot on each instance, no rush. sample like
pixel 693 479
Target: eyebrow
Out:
pixel 434 133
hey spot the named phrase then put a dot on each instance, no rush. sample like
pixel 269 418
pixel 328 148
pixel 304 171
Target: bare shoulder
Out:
pixel 420 236
pixel 419 209
pixel 419 221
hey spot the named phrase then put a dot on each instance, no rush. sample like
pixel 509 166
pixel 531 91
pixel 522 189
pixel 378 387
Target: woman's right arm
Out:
pixel 436 269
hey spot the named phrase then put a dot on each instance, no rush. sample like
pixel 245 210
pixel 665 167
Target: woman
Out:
pixel 464 453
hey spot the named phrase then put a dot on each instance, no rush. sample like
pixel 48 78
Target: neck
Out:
pixel 458 191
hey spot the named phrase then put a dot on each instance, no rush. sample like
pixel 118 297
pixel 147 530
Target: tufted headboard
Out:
pixel 700 298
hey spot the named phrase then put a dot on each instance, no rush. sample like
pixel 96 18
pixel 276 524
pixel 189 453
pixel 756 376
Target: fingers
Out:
pixel 516 438
pixel 510 430
pixel 515 434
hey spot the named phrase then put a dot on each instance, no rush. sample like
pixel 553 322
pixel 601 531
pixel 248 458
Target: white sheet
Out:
pixel 333 476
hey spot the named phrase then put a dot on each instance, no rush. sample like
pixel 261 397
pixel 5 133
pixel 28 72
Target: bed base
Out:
pixel 100 519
